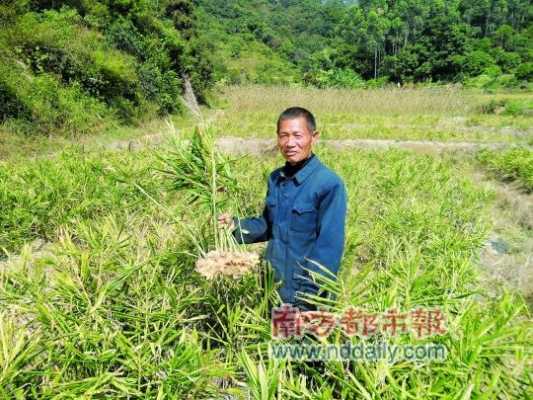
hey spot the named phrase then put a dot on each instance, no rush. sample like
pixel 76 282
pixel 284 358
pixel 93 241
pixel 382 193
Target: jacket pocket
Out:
pixel 304 218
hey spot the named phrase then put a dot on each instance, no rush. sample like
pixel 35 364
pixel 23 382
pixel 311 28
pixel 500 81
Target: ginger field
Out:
pixel 99 296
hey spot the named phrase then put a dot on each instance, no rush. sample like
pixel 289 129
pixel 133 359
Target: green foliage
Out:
pixel 117 311
pixel 476 62
pixel 342 78
pixel 512 107
pixel 37 198
pixel 43 104
pixel 126 61
pixel 490 81
pixel 400 41
pixel 510 165
pixel 525 71
pixel 241 60
pixel 129 56
pixel 54 42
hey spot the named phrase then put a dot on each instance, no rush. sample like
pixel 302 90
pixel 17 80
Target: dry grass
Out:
pixel 444 113
pixel 445 100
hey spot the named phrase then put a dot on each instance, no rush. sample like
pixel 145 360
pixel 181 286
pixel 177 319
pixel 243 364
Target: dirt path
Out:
pixel 506 260
pixel 238 145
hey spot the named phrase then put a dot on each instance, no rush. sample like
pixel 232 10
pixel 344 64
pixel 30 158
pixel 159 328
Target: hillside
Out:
pixel 342 43
pixel 77 67
pixel 80 66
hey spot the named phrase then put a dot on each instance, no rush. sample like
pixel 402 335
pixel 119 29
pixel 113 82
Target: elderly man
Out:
pixel 304 214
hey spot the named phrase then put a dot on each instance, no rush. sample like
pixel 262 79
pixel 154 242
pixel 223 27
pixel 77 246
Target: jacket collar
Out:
pixel 308 168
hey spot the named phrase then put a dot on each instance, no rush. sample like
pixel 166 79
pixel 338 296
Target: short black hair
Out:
pixel 297 112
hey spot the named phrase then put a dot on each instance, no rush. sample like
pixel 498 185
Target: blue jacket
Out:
pixel 303 217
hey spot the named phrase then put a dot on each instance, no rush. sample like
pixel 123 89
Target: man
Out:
pixel 304 214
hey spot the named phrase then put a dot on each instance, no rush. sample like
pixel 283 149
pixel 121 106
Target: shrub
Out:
pixel 508 107
pixel 477 62
pixel 344 78
pixel 510 165
pixel 54 43
pixel 525 71
pixel 129 56
pixel 43 104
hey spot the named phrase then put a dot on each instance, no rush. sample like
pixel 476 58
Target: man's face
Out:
pixel 295 140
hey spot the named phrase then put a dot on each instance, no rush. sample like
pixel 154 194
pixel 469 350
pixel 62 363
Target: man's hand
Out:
pixel 225 220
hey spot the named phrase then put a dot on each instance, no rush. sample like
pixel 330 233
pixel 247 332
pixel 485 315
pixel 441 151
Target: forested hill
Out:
pixel 334 42
pixel 77 66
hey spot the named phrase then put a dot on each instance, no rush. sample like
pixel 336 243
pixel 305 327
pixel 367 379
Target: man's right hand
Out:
pixel 225 220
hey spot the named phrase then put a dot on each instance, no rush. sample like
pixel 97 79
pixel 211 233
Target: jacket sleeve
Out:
pixel 253 229
pixel 329 245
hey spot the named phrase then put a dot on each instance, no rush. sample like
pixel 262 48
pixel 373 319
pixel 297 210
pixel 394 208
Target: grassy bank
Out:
pixel 439 114
pixel 515 165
